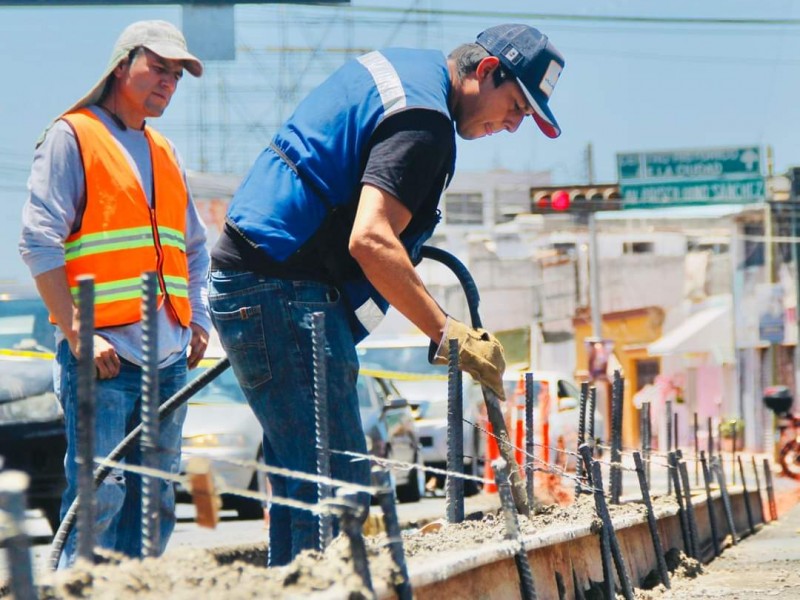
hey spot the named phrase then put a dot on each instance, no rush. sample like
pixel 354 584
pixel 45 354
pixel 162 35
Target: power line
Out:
pixel 638 20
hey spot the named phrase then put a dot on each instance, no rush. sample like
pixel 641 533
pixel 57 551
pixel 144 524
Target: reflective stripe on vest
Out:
pixel 121 237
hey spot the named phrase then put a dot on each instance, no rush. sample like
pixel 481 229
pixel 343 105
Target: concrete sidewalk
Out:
pixel 766 565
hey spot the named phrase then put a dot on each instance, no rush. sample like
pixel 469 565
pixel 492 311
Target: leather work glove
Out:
pixel 479 354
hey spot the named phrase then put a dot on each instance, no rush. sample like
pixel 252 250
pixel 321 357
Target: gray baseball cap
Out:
pixel 160 37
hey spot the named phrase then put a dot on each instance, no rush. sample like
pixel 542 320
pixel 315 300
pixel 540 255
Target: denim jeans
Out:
pixel 265 327
pixel 118 524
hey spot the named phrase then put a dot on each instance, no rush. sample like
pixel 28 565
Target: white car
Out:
pixel 220 425
pixel 405 360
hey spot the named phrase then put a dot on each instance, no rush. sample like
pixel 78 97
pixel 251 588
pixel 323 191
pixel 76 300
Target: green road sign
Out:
pixel 690 164
pixel 692 192
pixel 701 176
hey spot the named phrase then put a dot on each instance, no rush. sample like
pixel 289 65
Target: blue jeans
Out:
pixel 265 327
pixel 118 524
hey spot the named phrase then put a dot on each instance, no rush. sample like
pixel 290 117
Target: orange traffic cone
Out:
pixel 492 452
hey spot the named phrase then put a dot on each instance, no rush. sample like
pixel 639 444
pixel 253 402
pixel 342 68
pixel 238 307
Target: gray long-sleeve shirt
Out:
pixel 57 196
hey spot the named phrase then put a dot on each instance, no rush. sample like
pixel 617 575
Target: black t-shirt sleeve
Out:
pixel 410 154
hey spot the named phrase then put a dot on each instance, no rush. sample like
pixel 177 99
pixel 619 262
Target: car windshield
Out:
pixel 514 388
pixel 403 359
pixel 224 389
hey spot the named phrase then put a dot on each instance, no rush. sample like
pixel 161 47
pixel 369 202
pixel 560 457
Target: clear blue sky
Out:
pixel 627 86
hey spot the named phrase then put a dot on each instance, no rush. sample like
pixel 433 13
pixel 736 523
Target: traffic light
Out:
pixel 575 198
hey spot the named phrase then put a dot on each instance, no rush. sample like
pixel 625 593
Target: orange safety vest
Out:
pixel 120 236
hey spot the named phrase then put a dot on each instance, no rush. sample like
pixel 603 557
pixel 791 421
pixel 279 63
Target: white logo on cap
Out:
pixel 511 53
pixel 548 83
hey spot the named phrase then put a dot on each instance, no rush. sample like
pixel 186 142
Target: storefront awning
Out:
pixel 709 331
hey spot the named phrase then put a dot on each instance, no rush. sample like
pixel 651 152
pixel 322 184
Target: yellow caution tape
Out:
pixel 381 373
pixel 402 376
pixel 27 354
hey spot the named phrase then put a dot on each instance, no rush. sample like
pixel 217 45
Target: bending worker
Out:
pixel 331 218
pixel 108 197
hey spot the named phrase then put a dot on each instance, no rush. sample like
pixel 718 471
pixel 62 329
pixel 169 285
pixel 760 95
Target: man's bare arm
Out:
pixel 375 244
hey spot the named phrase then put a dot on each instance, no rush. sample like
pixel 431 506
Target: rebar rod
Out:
pixel 529 472
pixel 87 505
pixel 526 585
pixel 324 491
pixel 712 517
pixel 716 466
pixel 658 549
pixel 454 486
pixel 148 443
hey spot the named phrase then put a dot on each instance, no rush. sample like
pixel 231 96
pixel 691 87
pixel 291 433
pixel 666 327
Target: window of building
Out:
pixel 637 248
pixel 753 245
pixel 463 209
pixel 646 372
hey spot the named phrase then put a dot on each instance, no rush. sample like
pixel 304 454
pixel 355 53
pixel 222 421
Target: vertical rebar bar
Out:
pixel 350 514
pixel 615 475
pixel 733 450
pixel 592 408
pixel 696 452
pixel 13 487
pixel 651 521
pixel 712 517
pixel 87 507
pixel 529 447
pixel 748 509
pixel 526 585
pixel 647 437
pixel 710 440
pixel 584 399
pixel 676 430
pixel 386 500
pixel 324 492
pixel 773 508
pixel 690 515
pixel 604 535
pixel 675 476
pixel 758 490
pixel 605 518
pixel 454 486
pixel 716 466
pixel 668 412
pixel 148 443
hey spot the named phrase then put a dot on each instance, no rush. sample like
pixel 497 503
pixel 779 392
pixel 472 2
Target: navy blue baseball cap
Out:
pixel 528 54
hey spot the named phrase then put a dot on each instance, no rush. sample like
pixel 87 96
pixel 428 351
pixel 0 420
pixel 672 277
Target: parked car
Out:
pixel 388 423
pixel 404 359
pixel 220 425
pixel 32 435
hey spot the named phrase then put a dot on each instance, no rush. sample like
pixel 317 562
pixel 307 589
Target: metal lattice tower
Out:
pixel 283 51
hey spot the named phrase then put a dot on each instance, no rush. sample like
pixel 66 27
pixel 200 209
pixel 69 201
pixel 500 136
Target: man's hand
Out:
pixel 479 354
pixel 198 345
pixel 106 360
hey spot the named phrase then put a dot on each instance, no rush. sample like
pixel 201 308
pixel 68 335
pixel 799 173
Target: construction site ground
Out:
pixel 761 566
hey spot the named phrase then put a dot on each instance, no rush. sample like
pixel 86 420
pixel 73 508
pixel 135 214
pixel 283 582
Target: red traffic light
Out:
pixel 561 200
